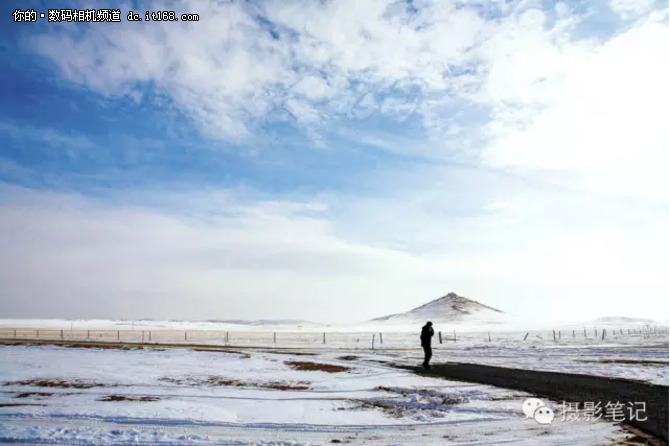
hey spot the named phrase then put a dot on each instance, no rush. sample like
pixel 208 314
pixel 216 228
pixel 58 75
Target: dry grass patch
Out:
pixel 219 381
pixel 386 389
pixel 301 385
pixel 113 398
pixel 34 394
pixel 348 358
pixel 57 382
pixel 193 381
pixel 307 366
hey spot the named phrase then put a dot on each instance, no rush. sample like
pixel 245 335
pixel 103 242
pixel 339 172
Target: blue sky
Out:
pixel 290 159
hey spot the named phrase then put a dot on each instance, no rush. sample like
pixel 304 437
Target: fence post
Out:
pixel 554 335
pixel 150 336
pixel 573 334
pixel 88 334
pixel 373 341
pixel 559 335
pixel 226 337
pixel 381 339
pixel 14 334
pixel 489 336
pixel 621 330
pixel 584 331
pixel 274 337
pixel 604 330
pixel 439 333
pixel 118 335
pixel 61 334
pixel 142 336
pixel 185 336
pixel 524 338
pixel 324 337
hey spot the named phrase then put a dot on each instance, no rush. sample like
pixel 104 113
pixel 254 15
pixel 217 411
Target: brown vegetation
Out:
pixel 57 382
pixel 111 398
pixel 227 382
pixel 315 366
pixel 31 394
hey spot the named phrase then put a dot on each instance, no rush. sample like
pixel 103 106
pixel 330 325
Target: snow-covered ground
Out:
pixel 183 396
pixel 605 351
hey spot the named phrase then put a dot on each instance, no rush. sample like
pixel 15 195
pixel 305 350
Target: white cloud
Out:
pixel 631 8
pixel 227 71
pixel 590 113
pixel 314 88
pixel 215 253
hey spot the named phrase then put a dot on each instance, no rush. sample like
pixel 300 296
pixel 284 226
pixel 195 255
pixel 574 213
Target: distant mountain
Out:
pixel 451 308
pixel 623 321
pixel 263 322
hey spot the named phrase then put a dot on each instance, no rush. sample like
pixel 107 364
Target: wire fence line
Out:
pixel 362 340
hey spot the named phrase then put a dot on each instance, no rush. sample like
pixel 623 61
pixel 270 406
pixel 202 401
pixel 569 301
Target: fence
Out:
pixel 363 340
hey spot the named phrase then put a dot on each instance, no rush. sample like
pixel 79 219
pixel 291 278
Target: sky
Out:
pixel 335 161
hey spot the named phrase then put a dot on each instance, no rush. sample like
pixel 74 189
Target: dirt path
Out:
pixel 568 387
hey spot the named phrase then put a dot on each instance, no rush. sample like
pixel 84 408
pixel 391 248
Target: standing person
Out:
pixel 427 333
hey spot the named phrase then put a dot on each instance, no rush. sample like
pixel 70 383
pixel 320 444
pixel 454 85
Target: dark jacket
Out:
pixel 427 333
